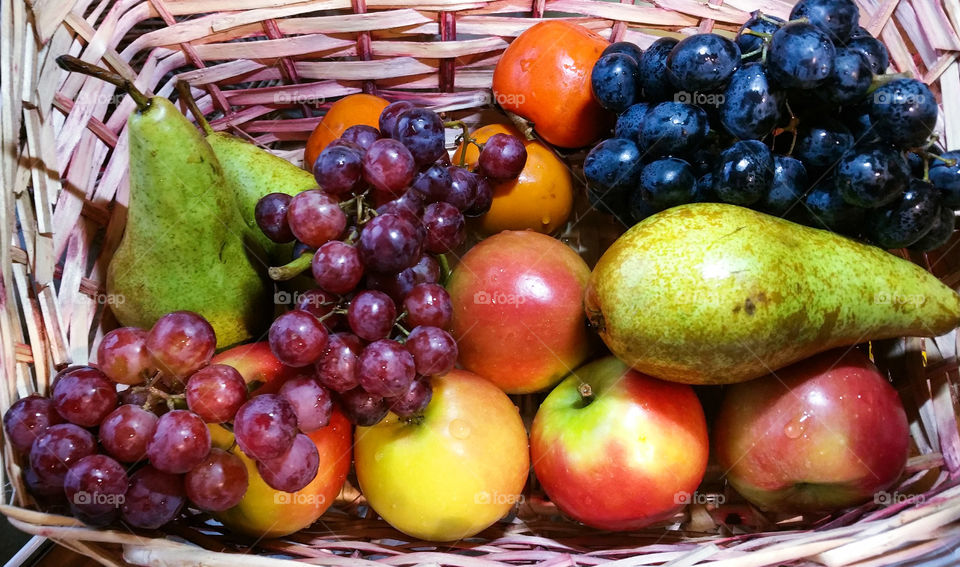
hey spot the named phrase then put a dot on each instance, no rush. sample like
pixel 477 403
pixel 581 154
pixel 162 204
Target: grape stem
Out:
pixel 749 54
pixel 292 269
pixel 763 35
pixel 949 162
pixel 464 139
pixel 769 20
pixel 415 419
pixel 444 269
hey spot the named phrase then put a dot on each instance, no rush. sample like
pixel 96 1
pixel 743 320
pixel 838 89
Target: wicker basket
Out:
pixel 268 69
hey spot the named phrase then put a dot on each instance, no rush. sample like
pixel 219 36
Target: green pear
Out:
pixel 709 293
pixel 185 246
pixel 253 172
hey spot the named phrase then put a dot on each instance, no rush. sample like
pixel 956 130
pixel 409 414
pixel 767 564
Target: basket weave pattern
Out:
pixel 267 69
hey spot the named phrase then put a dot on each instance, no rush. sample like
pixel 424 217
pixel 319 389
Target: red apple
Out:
pixel 518 310
pixel 454 470
pixel 826 433
pixel 257 364
pixel 622 454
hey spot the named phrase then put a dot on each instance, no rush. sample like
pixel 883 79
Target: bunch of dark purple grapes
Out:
pixel 84 440
pixel 390 204
pixel 792 118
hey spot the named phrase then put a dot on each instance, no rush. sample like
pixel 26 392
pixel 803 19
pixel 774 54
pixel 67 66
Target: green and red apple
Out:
pixel 619 450
pixel 824 434
pixel 518 310
pixel 454 470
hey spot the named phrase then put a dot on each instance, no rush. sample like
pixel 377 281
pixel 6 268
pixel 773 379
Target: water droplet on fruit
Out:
pixel 459 429
pixel 794 429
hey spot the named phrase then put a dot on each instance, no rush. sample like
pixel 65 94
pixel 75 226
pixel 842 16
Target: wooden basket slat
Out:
pixel 939 31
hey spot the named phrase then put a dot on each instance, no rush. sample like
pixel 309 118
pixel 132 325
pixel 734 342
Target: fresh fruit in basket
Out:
pixel 618 450
pixel 544 76
pixel 352 110
pixel 540 197
pixel 749 292
pixel 821 435
pixel 451 471
pixel 518 310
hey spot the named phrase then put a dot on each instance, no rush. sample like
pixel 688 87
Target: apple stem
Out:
pixel 586 393
pixel 292 269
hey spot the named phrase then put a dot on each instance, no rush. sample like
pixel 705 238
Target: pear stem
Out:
pixel 187 97
pixel 292 269
pixel 76 65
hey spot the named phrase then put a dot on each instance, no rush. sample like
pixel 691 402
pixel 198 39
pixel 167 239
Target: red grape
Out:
pixel 95 488
pixel 463 188
pixel 337 267
pixel 484 199
pixel 339 169
pixel 38 487
pixel 390 243
pixel 434 350
pixel 446 228
pixel 428 304
pixel 218 483
pixel 181 343
pixel 180 442
pixel 141 397
pixel 371 315
pixel 389 166
pixel 361 135
pixel 315 217
pixel 27 419
pixel 426 270
pixel 310 401
pixel 271 216
pixel 297 338
pixel 411 201
pixel 503 157
pixel 389 116
pixel 337 368
pixel 265 426
pixel 414 400
pixel 216 392
pixel 385 368
pixel 421 131
pixel 294 469
pixel 320 303
pixel 84 396
pixel 123 356
pixel 362 408
pixel 396 286
pixel 126 433
pixel 57 450
pixel 432 185
pixel 153 498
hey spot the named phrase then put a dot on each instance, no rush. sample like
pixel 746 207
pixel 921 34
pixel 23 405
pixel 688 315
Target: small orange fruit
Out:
pixel 544 76
pixel 540 199
pixel 348 111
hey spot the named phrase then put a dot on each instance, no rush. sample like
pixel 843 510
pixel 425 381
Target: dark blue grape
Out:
pixel 673 128
pixel 614 81
pixel 906 220
pixel 939 233
pixel 851 77
pixel 875 52
pixel 612 169
pixel 706 157
pixel 857 120
pixel 624 47
pixel 667 183
pixel 745 174
pixel 653 70
pixel 859 32
pixel 421 131
pixel 706 190
pixel 751 107
pixel 903 112
pixel 749 43
pixel 629 123
pixel 837 18
pixel 789 184
pixel 703 62
pixel 800 56
pixel 916 164
pixel 826 209
pixel 822 144
pixel 871 177
pixel 640 208
pixel 946 178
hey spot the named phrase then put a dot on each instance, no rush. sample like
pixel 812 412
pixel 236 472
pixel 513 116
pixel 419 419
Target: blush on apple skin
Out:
pixel 518 310
pixel 631 457
pixel 821 435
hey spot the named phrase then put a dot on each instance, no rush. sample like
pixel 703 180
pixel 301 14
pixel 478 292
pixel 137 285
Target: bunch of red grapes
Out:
pixel 390 202
pixel 157 427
